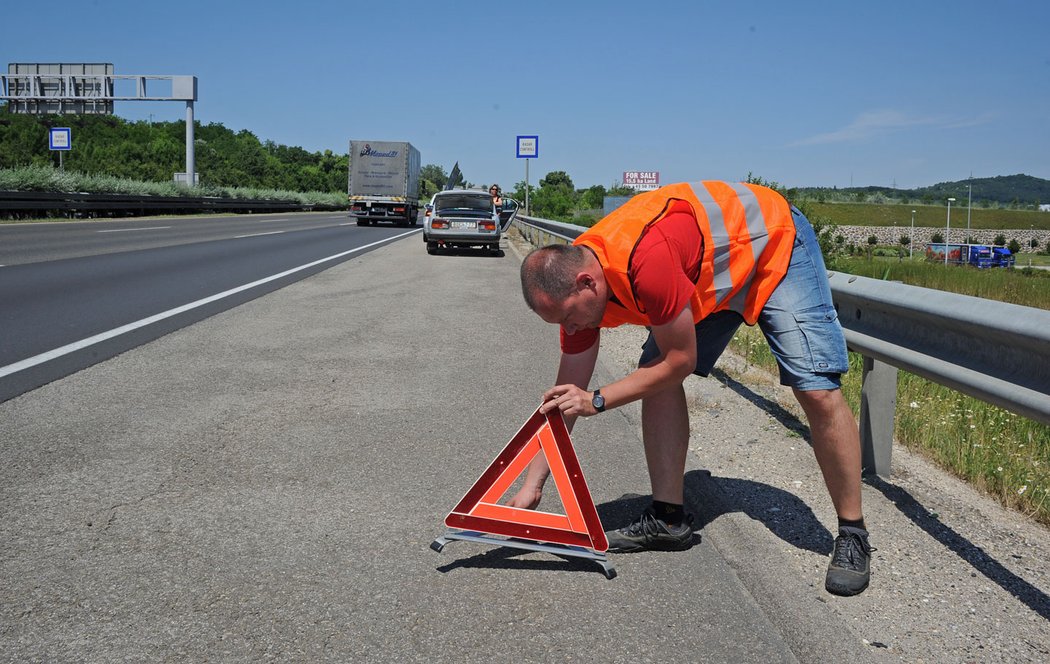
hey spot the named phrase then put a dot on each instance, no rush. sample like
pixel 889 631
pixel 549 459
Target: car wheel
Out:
pixel 432 248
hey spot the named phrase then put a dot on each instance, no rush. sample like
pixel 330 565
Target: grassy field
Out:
pixel 1030 288
pixel 1003 454
pixel 935 216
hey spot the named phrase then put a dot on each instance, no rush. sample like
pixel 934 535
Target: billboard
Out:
pixel 641 180
pixel 59 87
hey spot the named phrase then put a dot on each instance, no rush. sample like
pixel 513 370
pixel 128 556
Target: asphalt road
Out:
pixel 264 486
pixel 75 294
pixel 38 242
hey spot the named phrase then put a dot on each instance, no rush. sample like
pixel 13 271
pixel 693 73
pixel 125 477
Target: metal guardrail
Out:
pixel 29 202
pixel 994 351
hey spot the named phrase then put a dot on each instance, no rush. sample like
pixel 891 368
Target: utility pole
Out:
pixel 969 200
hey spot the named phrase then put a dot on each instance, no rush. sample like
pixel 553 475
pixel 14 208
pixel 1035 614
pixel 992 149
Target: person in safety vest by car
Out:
pixel 691 262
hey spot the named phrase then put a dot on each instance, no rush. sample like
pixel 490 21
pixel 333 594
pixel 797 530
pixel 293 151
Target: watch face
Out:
pixel 598 401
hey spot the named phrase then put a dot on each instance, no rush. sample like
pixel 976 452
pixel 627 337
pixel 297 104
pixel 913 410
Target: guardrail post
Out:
pixel 878 406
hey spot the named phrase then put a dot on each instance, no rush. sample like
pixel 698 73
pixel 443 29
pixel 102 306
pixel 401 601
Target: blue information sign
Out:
pixel 528 147
pixel 60 138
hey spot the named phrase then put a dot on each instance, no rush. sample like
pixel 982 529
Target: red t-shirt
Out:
pixel 664 270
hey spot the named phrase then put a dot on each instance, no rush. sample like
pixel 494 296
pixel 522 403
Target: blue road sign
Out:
pixel 528 147
pixel 60 138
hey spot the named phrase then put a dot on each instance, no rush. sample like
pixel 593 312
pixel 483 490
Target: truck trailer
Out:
pixel 383 183
pixel 978 255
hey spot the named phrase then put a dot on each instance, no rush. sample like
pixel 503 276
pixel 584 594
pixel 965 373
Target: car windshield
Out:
pixel 480 203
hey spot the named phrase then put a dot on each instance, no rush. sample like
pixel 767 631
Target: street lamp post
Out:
pixel 948 230
pixel 969 202
pixel 911 239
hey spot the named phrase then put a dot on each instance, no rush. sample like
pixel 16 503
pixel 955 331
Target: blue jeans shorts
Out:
pixel 799 322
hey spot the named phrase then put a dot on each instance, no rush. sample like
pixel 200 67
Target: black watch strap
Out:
pixel 598 401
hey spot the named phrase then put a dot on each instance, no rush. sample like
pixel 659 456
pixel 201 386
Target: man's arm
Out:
pixel 677 341
pixel 575 369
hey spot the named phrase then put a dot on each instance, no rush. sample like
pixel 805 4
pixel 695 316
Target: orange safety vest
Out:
pixel 747 232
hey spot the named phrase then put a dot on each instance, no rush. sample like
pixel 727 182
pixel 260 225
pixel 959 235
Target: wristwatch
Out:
pixel 598 401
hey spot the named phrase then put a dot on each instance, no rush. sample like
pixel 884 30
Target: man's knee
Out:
pixel 669 397
pixel 820 401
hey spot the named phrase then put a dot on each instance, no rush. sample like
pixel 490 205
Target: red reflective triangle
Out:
pixel 480 509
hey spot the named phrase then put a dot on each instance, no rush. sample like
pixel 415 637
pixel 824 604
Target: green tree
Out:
pixel 555 198
pixel 432 179
pixel 109 145
pixel 557 179
pixel 518 192
pixel 552 203
pixel 620 190
pixel 592 197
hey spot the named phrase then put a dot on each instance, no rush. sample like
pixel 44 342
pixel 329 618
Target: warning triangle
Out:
pixel 480 509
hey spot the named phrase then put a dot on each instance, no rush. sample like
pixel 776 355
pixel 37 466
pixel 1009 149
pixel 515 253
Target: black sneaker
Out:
pixel 651 533
pixel 850 566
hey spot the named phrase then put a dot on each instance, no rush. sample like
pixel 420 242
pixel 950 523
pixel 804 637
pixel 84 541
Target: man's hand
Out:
pixel 570 400
pixel 527 498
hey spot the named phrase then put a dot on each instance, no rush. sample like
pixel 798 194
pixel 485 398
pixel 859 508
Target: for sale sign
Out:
pixel 641 180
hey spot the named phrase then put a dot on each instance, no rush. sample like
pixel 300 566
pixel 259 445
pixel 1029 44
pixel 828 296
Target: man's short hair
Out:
pixel 552 271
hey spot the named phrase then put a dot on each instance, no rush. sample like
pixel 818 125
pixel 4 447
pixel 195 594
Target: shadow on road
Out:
pixel 992 569
pixel 758 501
pixel 505 557
pixel 465 251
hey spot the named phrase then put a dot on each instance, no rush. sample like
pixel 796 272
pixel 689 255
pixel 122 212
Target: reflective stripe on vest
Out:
pixel 747 232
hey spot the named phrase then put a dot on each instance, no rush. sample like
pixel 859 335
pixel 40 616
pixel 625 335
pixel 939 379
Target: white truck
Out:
pixel 383 183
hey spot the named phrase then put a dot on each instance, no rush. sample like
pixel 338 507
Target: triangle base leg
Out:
pixel 527 545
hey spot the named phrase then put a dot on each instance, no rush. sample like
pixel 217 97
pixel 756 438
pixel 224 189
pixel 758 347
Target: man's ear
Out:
pixel 585 281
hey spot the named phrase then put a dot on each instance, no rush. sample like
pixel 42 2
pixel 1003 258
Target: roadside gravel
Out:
pixel 956 578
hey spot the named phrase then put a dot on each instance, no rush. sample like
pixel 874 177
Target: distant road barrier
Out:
pixel 29 203
pixel 994 351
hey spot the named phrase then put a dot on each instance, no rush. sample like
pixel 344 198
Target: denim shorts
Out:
pixel 799 322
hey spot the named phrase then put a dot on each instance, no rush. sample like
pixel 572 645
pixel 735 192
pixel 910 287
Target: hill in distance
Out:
pixel 1017 189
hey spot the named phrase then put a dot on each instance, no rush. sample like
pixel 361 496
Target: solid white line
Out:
pixel 125 230
pixel 238 237
pixel 117 331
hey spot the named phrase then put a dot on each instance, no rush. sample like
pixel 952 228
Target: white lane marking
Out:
pixel 125 230
pixel 123 329
pixel 238 237
pixel 349 223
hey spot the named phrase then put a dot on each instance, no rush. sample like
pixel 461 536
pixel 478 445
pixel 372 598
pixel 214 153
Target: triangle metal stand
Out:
pixel 527 545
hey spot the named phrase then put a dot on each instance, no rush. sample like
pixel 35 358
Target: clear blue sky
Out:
pixel 803 93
